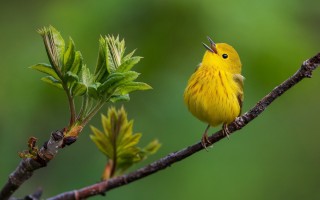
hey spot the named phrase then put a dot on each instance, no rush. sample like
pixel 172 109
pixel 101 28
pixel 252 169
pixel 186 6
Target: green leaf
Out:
pixel 69 56
pixel 118 142
pixel 93 90
pixel 129 141
pixel 113 57
pixel 103 143
pixel 79 89
pixel 87 78
pixel 121 46
pixel 45 68
pixel 71 77
pixel 102 63
pixel 106 122
pixel 130 76
pixel 129 158
pixel 125 132
pixel 128 64
pixel 113 51
pixel 115 80
pixel 116 52
pixel 101 54
pixel 111 80
pixel 152 147
pixel 119 98
pixel 55 47
pixel 58 43
pixel 133 86
pixel 52 81
pixel 128 56
pixel 77 63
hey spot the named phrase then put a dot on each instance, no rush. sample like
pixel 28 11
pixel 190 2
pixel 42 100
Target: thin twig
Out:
pixel 100 188
pixel 71 105
pixel 93 112
pixel 84 107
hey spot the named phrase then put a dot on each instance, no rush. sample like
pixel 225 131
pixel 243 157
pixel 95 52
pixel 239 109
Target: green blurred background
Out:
pixel 274 157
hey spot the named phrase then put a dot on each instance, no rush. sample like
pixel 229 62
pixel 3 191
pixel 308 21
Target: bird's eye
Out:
pixel 224 56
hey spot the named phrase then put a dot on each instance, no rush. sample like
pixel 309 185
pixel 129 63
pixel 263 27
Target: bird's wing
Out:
pixel 238 78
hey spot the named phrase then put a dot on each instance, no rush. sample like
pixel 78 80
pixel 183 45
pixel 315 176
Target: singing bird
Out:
pixel 214 93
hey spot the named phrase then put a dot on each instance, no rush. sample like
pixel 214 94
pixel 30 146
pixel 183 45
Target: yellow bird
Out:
pixel 214 93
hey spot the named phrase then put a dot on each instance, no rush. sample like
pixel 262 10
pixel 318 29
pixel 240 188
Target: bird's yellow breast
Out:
pixel 212 95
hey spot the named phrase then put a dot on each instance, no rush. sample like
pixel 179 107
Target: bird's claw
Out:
pixel 205 141
pixel 225 130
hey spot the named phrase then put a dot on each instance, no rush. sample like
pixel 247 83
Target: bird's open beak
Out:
pixel 212 47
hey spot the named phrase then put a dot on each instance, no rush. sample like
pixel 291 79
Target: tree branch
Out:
pixel 100 188
pixel 27 166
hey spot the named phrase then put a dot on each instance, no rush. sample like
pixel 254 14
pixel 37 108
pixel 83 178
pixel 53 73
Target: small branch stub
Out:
pixel 50 149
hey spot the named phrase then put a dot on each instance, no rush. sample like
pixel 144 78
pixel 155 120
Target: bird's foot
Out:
pixel 225 130
pixel 205 140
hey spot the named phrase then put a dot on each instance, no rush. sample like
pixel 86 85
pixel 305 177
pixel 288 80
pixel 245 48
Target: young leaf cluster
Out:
pixel 118 143
pixel 112 80
pixel 65 63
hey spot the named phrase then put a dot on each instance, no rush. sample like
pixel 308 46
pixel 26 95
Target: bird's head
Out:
pixel 222 55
